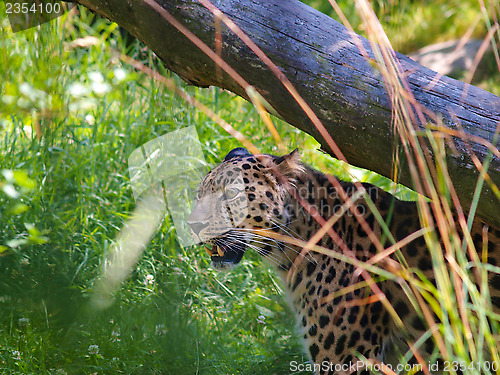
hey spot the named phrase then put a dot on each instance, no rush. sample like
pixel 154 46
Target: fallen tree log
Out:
pixel 319 57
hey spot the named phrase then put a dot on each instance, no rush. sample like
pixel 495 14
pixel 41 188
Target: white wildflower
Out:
pixel 93 349
pixel 150 279
pixel 16 355
pixel 115 336
pixel 160 329
pixel 23 322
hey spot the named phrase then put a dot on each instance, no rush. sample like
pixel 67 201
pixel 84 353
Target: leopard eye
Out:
pixel 231 193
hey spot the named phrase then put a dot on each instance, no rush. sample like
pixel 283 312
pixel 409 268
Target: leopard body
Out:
pixel 255 202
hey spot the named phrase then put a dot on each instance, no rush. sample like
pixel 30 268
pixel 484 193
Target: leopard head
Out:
pixel 240 199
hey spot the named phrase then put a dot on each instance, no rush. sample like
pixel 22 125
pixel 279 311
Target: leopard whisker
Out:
pixel 280 245
pixel 273 259
pixel 262 240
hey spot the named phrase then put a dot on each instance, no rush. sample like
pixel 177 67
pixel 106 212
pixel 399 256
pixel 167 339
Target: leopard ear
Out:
pixel 292 155
pixel 237 152
pixel 289 165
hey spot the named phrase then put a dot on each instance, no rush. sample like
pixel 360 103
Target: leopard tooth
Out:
pixel 220 251
pixel 209 251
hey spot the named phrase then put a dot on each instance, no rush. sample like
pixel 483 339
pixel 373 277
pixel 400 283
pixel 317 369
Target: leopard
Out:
pixel 317 232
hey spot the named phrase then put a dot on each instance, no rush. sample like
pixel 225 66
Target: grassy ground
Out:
pixel 174 314
pixel 69 118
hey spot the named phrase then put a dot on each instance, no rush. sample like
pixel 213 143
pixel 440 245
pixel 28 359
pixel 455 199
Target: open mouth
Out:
pixel 222 250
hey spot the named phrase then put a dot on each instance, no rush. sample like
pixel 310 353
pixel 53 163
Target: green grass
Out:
pixel 184 319
pixel 411 25
pixel 91 112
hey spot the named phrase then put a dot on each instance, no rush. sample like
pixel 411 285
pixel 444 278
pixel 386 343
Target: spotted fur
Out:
pixel 251 202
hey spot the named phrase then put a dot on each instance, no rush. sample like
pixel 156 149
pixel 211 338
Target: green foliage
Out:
pixel 66 135
pixel 413 24
pixel 16 186
pixel 70 115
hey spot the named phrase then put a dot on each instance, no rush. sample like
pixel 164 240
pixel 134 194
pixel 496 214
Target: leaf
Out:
pixel 31 229
pixel 40 240
pixel 16 243
pixel 8 174
pixel 19 208
pixel 23 180
pixel 10 190
pixel 35 236
pixel 265 311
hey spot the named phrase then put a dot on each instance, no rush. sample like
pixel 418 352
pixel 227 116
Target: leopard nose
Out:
pixel 197 227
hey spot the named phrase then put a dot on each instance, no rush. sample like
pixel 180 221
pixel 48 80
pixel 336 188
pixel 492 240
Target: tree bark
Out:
pixel 319 57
